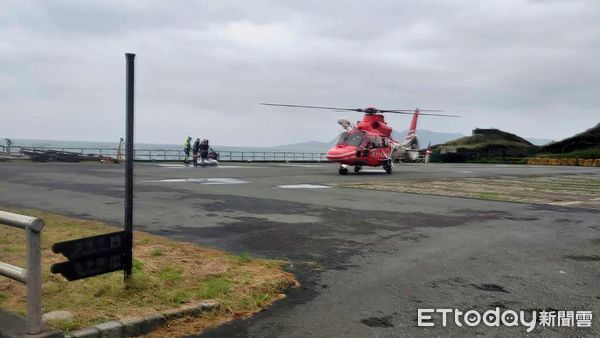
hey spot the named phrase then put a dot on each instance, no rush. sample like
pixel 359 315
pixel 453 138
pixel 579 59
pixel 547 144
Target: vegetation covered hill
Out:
pixel 484 145
pixel 583 145
pixel 489 137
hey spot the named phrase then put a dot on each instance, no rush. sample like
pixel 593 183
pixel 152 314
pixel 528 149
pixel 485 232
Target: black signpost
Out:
pixel 96 255
pixel 92 256
pixel 129 83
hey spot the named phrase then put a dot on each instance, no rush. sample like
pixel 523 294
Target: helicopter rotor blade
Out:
pixel 420 112
pixel 408 110
pixel 443 115
pixel 360 110
pixel 314 107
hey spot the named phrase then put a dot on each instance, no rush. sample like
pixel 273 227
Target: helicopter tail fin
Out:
pixel 413 127
pixel 411 141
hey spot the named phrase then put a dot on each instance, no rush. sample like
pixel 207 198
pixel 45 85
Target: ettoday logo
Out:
pixel 508 318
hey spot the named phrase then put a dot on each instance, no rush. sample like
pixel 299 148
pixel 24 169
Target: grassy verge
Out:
pixel 167 274
pixel 574 190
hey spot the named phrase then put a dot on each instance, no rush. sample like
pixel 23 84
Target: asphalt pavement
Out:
pixel 367 260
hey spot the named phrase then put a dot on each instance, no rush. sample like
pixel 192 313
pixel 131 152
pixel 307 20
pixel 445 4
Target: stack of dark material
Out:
pixel 38 155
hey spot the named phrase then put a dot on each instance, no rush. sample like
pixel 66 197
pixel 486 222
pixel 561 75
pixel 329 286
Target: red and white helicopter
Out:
pixel 369 142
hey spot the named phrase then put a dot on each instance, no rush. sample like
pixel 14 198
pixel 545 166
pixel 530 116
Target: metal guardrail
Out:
pixel 32 275
pixel 178 155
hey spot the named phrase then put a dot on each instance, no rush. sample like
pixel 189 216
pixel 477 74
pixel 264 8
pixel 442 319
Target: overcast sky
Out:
pixel 528 67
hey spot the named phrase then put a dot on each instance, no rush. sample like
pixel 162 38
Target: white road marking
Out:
pixel 239 166
pixel 222 180
pixel 465 171
pixel 173 166
pixel 302 165
pixel 168 165
pixel 303 186
pixel 567 203
pixel 372 171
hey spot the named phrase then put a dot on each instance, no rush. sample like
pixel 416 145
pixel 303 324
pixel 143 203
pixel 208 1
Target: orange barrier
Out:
pixel 564 161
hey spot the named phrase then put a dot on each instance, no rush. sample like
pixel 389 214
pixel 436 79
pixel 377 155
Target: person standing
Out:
pixel 8 145
pixel 203 151
pixel 187 146
pixel 196 150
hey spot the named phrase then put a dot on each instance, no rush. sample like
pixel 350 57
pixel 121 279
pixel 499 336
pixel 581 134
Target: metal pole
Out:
pixel 130 70
pixel 34 283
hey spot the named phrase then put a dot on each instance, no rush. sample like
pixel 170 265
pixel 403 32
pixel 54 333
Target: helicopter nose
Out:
pixel 339 153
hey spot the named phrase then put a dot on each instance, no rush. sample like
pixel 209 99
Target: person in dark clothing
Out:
pixel 187 147
pixel 196 150
pixel 203 151
pixel 213 155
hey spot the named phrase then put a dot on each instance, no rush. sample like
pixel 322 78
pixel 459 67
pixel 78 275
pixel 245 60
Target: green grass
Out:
pixel 156 252
pixel 137 265
pixel 489 196
pixel 170 274
pixel 177 297
pixel 242 258
pixel 65 325
pixel 213 287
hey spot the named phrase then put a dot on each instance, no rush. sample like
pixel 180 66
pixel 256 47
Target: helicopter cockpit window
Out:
pixel 375 142
pixel 341 139
pixel 354 139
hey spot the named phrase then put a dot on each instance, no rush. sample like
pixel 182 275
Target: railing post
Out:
pixel 34 283
pixel 31 276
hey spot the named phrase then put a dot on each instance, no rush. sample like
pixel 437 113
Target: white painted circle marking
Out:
pixel 220 180
pixel 303 186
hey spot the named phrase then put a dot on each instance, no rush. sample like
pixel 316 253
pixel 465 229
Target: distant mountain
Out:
pixel 538 141
pixel 425 137
pixel 316 146
pixel 428 136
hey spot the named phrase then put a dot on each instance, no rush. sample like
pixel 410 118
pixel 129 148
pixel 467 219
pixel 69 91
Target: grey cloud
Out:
pixel 523 66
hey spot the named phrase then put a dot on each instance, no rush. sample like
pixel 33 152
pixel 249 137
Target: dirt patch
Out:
pixel 560 190
pixel 377 321
pixel 583 258
pixel 490 287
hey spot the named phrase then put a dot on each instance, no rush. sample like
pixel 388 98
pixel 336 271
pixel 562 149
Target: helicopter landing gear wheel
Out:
pixel 388 167
pixel 357 168
pixel 343 170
